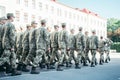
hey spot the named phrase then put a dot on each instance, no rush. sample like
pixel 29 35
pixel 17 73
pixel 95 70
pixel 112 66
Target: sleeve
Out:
pixel 97 42
pixel 12 35
pixel 66 39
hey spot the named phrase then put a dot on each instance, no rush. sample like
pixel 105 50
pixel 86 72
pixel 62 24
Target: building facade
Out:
pixel 55 13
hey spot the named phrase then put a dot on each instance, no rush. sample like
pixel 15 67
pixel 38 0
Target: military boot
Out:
pixel 100 62
pixel 15 72
pixel 85 63
pixel 24 68
pixel 19 67
pixel 92 64
pixel 106 61
pixel 34 70
pixel 59 68
pixel 68 65
pixel 77 66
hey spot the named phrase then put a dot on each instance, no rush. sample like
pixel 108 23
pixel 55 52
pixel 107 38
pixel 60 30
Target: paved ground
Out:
pixel 110 71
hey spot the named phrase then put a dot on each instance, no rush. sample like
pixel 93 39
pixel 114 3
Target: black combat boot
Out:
pixel 68 65
pixel 106 61
pixel 34 70
pixel 15 72
pixel 19 67
pixel 85 63
pixel 24 68
pixel 77 66
pixel 100 63
pixel 92 64
pixel 59 68
pixel 8 68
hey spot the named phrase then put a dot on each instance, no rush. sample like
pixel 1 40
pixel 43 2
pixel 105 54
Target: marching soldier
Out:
pixel 108 43
pixel 63 46
pixel 101 47
pixel 72 43
pixel 54 45
pixel 32 48
pixel 80 45
pixel 86 50
pixel 9 57
pixel 93 45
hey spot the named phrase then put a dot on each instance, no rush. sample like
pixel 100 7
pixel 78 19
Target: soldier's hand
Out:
pixel 48 49
pixel 12 49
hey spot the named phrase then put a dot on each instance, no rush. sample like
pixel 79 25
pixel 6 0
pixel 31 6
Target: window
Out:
pixel 33 4
pixel 40 5
pixel 17 15
pixel 18 1
pixel 26 3
pixel 26 17
pixel 69 14
pixel 33 18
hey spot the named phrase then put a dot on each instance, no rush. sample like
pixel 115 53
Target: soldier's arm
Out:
pixel 97 42
pixel 12 35
pixel 67 39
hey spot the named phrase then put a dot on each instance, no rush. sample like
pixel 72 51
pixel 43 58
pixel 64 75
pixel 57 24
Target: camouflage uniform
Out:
pixel 93 45
pixel 54 45
pixel 1 49
pixel 101 48
pixel 72 43
pixel 63 45
pixel 108 43
pixel 80 45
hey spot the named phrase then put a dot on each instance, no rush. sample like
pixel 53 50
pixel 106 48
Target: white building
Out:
pixel 55 13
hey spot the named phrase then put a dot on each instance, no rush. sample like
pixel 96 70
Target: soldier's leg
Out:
pixel 62 55
pixel 93 61
pixel 87 55
pixel 107 57
pixel 71 56
pixel 53 55
pixel 101 58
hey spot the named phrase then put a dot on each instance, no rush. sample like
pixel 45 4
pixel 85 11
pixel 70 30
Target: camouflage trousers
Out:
pixel 72 56
pixel 80 56
pixel 63 56
pixel 93 53
pixel 9 57
pixel 107 52
pixel 24 54
pixel 19 53
pixel 54 55
pixel 1 49
pixel 101 51
pixel 86 55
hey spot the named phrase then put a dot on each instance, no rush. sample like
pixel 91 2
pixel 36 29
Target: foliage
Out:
pixel 116 46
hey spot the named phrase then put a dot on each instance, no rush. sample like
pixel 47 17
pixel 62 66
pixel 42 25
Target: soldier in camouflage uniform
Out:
pixel 9 57
pixel 93 45
pixel 86 50
pixel 32 48
pixel 54 44
pixel 63 46
pixel 101 48
pixel 108 43
pixel 42 42
pixel 25 50
pixel 72 43
pixel 80 45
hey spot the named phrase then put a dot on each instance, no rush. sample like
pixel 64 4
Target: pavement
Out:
pixel 108 71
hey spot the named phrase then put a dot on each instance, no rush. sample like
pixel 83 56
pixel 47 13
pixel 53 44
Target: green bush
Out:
pixel 116 46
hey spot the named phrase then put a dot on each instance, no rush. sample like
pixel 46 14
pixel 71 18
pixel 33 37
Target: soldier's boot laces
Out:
pixel 34 70
pixel 15 72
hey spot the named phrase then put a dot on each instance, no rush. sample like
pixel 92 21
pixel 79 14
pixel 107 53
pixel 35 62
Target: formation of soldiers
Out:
pixel 40 48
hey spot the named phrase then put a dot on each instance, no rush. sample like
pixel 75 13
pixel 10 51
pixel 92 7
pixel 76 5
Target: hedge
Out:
pixel 116 46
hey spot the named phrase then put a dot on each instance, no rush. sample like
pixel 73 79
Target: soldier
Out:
pixel 93 45
pixel 101 47
pixel 9 57
pixel 2 23
pixel 86 50
pixel 25 50
pixel 108 43
pixel 32 48
pixel 54 45
pixel 42 42
pixel 80 45
pixel 63 46
pixel 72 43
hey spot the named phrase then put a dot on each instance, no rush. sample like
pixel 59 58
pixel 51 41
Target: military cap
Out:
pixel 63 24
pixel 93 31
pixel 56 26
pixel 43 21
pixel 80 27
pixel 33 22
pixel 10 14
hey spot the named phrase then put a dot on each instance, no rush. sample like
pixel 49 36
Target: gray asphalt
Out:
pixel 108 71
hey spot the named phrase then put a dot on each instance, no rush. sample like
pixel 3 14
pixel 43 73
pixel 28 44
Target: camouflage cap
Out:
pixel 43 21
pixel 10 14
pixel 80 28
pixel 55 26
pixel 93 31
pixel 63 24
pixel 33 22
